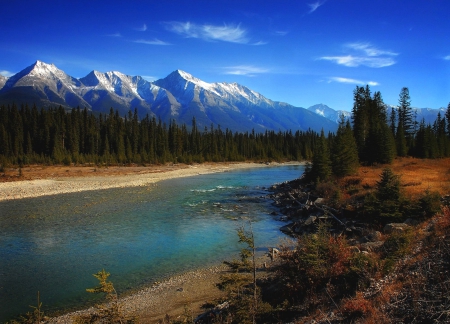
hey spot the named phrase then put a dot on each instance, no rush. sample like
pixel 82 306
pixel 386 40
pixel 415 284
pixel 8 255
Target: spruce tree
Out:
pixel 321 163
pixel 405 116
pixel 344 156
pixel 447 115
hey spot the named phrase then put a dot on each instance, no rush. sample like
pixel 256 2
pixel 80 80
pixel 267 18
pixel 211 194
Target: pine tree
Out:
pixel 321 163
pixel 400 141
pixel 344 154
pixel 447 115
pixel 405 116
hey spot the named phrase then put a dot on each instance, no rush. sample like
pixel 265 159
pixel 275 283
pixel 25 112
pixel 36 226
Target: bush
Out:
pixel 430 203
pixel 319 261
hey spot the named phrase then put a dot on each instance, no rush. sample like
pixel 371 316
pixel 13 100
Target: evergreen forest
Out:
pixel 374 135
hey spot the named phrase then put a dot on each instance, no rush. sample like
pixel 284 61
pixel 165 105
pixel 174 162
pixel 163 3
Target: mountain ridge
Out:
pixel 179 96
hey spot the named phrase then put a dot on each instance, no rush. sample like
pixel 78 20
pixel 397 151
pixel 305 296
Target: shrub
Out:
pixel 430 203
pixel 357 307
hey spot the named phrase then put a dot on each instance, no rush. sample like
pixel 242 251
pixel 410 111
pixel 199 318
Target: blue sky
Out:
pixel 299 52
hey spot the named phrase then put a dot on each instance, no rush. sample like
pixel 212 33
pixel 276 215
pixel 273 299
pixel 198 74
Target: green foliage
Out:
pixel 344 153
pixel 319 261
pixel 396 246
pixel 321 163
pixel 374 138
pixel 78 136
pixel 430 203
pixel 384 205
pixel 110 312
pixel 243 293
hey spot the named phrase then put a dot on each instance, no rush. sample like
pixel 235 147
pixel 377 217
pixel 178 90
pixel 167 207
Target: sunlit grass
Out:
pixel 416 175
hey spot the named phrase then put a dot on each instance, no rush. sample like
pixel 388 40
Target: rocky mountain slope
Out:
pixel 180 97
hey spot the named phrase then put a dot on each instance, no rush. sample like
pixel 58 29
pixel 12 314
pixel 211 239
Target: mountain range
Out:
pixel 179 97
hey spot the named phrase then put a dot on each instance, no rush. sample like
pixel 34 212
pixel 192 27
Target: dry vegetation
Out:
pixel 33 172
pixel 417 175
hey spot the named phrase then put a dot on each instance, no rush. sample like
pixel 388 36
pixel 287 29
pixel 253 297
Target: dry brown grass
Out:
pixel 417 175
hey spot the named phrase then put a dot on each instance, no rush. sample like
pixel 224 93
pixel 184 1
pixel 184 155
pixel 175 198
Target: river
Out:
pixel 53 244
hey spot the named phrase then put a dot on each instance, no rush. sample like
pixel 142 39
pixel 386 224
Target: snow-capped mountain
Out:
pixel 429 115
pixel 44 84
pixel 330 113
pixel 3 80
pixel 180 97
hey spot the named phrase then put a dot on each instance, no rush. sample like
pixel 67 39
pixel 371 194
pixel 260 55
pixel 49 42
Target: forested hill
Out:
pixel 79 136
pixel 374 136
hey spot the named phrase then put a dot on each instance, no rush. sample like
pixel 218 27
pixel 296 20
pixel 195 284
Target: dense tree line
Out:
pixel 377 136
pixel 56 136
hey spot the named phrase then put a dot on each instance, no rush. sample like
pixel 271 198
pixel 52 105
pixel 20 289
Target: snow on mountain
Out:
pixel 41 72
pixel 179 96
pixel 46 84
pixel 3 80
pixel 329 113
pixel 428 115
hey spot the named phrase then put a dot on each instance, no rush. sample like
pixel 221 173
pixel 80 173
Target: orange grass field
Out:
pixel 416 175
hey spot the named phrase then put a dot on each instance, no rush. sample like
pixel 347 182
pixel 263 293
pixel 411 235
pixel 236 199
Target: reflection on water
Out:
pixel 53 244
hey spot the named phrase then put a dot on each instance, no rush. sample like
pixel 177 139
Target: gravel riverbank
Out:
pixel 100 179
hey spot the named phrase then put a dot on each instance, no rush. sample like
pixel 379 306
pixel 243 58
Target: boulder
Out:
pixel 374 236
pixel 288 229
pixel 395 228
pixel 310 220
pixel 411 222
pixel 371 246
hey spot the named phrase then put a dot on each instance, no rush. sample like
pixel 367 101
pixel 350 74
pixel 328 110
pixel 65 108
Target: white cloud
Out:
pixel 143 28
pixel 369 50
pixel 154 41
pixel 149 78
pixel 6 73
pixel 447 58
pixel 315 5
pixel 281 33
pixel 247 70
pixel 259 43
pixel 115 35
pixel 352 81
pixel 364 54
pixel 355 61
pixel 226 33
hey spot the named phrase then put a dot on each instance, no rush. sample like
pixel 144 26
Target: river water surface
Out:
pixel 54 244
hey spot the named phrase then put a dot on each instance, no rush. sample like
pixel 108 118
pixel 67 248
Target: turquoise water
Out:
pixel 140 235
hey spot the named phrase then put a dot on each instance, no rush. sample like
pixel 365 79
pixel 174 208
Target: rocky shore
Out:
pixel 95 180
pixel 170 297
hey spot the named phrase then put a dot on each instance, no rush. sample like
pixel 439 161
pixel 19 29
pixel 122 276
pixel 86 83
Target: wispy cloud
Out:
pixel 315 5
pixel 226 33
pixel 6 73
pixel 355 61
pixel 142 29
pixel 447 58
pixel 281 33
pixel 364 54
pixel 154 41
pixel 115 35
pixel 149 78
pixel 259 43
pixel 351 81
pixel 246 70
pixel 369 49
